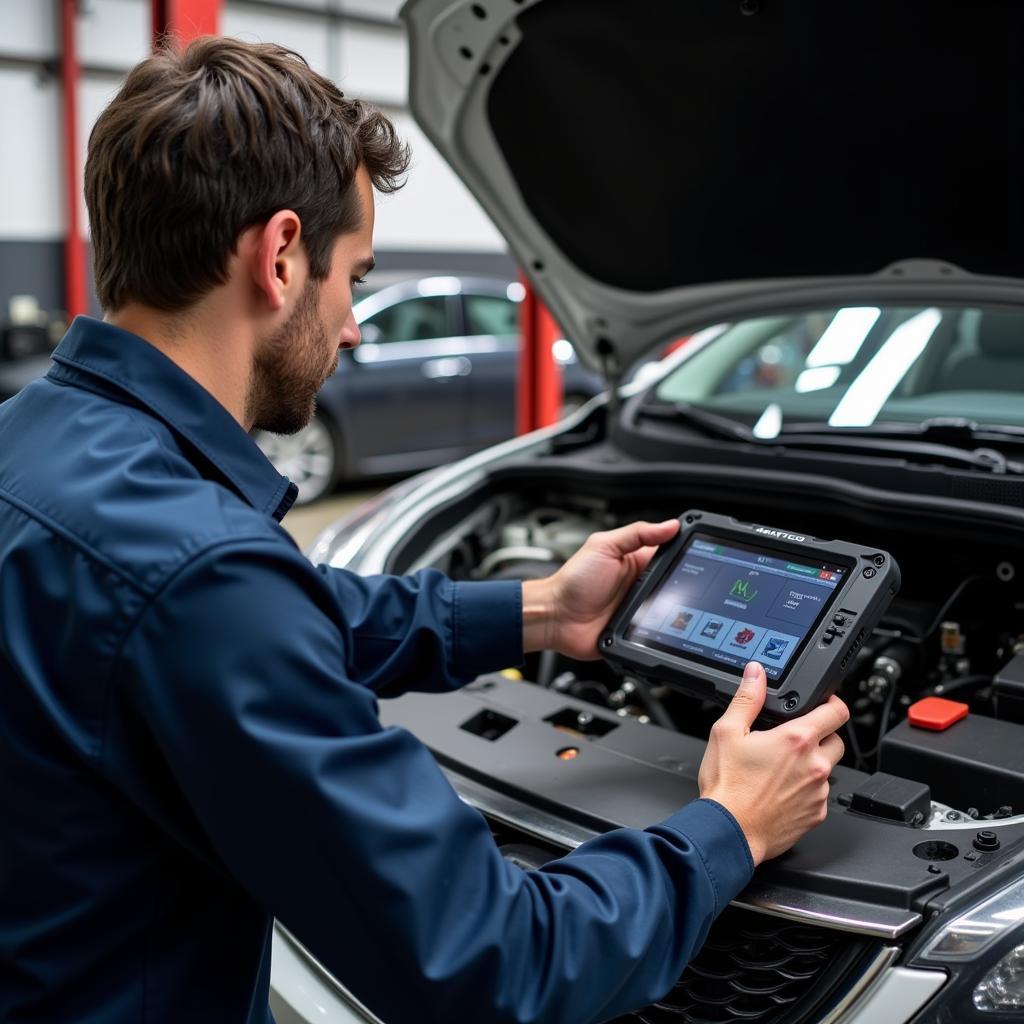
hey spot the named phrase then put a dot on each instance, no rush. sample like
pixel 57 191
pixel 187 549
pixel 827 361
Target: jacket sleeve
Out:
pixel 352 837
pixel 425 632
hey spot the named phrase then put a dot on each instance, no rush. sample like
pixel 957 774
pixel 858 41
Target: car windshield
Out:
pixel 859 366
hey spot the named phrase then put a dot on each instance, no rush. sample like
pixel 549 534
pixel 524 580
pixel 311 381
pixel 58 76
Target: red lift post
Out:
pixel 539 393
pixel 185 19
pixel 76 297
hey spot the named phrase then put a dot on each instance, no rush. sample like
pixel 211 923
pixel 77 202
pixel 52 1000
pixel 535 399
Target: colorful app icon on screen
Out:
pixel 775 647
pixel 712 628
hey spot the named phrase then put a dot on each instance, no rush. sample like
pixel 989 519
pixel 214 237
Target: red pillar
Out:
pixel 76 297
pixel 185 19
pixel 539 395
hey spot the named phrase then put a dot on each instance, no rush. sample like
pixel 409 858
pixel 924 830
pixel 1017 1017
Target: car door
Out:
pixel 491 326
pixel 404 388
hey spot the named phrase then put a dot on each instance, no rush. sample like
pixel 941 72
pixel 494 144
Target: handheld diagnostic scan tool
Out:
pixel 723 593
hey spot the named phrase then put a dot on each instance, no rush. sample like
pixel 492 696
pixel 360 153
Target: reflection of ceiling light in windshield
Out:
pixel 770 423
pixel 818 378
pixel 842 339
pixel 515 292
pixel 865 397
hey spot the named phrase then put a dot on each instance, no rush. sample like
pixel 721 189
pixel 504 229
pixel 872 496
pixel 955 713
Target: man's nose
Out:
pixel 350 332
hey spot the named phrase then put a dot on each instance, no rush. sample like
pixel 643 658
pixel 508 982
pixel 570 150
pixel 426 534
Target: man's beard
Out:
pixel 290 368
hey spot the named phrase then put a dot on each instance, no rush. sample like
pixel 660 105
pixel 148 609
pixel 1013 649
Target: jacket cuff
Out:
pixel 722 846
pixel 488 626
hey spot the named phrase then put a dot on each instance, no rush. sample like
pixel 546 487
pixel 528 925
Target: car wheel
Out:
pixel 311 458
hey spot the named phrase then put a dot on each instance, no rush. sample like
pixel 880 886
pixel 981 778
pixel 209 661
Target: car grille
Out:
pixel 752 969
pixel 759 969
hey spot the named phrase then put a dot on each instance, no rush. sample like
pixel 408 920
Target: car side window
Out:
pixel 491 314
pixel 417 319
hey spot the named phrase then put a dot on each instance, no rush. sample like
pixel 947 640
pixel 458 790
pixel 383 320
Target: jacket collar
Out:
pixel 109 359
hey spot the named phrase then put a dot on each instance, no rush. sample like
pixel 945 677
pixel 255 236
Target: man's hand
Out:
pixel 774 783
pixel 567 611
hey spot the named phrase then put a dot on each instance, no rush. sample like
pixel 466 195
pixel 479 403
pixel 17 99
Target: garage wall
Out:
pixel 434 224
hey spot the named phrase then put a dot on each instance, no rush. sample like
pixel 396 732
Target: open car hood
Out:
pixel 658 165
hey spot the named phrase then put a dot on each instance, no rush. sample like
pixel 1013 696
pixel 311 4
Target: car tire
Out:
pixel 311 458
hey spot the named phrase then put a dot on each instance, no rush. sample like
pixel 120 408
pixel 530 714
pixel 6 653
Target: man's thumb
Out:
pixel 749 698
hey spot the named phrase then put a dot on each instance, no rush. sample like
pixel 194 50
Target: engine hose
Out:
pixel 961 683
pixel 654 708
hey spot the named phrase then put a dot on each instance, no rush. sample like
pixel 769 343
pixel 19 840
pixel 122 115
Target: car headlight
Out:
pixel 1003 987
pixel 983 949
pixel 978 929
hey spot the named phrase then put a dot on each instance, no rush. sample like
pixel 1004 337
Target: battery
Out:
pixel 976 762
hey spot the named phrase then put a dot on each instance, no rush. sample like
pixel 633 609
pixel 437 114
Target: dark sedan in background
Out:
pixel 24 355
pixel 434 379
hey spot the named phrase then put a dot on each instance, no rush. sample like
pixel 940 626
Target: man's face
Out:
pixel 292 364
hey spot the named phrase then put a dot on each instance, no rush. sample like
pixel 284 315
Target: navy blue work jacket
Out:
pixel 190 747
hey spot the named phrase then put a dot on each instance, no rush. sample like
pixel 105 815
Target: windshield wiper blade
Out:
pixel 950 438
pixel 903 445
pixel 712 424
pixel 954 430
pixel 918 441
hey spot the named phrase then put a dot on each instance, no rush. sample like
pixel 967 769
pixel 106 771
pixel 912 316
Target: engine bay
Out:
pixel 557 750
pixel 954 631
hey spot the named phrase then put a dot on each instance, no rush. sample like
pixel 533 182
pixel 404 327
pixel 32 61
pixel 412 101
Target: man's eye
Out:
pixel 358 281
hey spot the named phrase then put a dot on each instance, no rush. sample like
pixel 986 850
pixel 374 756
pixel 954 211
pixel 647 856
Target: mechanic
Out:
pixel 188 708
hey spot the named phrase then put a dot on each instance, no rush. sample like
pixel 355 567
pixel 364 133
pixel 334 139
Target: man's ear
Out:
pixel 280 258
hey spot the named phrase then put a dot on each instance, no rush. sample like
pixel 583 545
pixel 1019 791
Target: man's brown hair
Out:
pixel 197 146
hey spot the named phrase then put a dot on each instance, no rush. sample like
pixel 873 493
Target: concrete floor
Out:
pixel 306 521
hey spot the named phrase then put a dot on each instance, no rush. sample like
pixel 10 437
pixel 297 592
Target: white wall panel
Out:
pixel 434 211
pixel 114 33
pixel 374 8
pixel 373 63
pixel 307 34
pixel 31 199
pixel 28 27
pixel 386 9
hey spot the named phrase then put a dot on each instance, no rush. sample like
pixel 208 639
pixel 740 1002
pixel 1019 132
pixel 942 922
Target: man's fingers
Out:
pixel 643 556
pixel 829 717
pixel 833 748
pixel 748 700
pixel 627 539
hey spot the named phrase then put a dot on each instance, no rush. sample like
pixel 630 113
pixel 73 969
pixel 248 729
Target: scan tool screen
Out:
pixel 724 603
